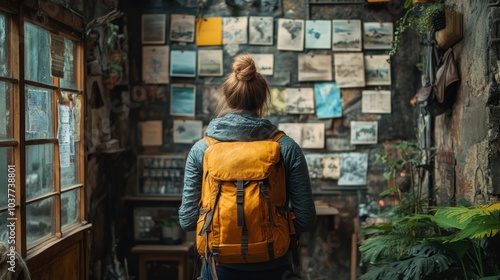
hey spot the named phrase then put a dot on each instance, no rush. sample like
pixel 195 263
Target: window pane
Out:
pixel 4 231
pixel 69 80
pixel 40 219
pixel 70 175
pixel 5 160
pixel 39 170
pixel 4 46
pixel 37 54
pixel 39 113
pixel 5 112
pixel 70 206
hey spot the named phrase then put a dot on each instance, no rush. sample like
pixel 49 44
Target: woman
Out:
pixel 245 94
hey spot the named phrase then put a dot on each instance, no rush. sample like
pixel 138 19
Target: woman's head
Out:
pixel 245 90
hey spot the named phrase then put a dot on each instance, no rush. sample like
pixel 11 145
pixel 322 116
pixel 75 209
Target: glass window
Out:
pixel 5 112
pixel 39 114
pixel 37 54
pixel 39 170
pixel 40 219
pixel 70 174
pixel 4 47
pixel 69 80
pixel 5 161
pixel 70 202
pixel 4 234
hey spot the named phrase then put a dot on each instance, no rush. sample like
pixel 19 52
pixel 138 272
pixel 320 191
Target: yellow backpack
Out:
pixel 244 213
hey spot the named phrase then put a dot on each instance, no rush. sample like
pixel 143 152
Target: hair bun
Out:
pixel 244 68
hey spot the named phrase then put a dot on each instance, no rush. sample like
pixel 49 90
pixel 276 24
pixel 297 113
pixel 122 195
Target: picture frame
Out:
pixel 160 175
pixel 378 35
pixel 153 28
pixel 264 63
pixel 346 35
pixel 210 99
pixel 187 131
pixel 145 222
pixel 353 169
pixel 182 28
pixel 261 31
pixel 318 34
pixel 155 64
pixel 364 132
pixel 377 70
pixel 290 34
pixel 210 63
pixel 376 102
pixel 299 100
pixel 349 70
pixel 234 30
pixel 327 100
pixel 182 100
pixel 182 63
pixel 314 67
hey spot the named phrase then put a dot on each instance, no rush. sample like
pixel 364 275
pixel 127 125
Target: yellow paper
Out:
pixel 209 31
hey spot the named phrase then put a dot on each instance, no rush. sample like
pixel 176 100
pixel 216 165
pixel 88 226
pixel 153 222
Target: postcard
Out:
pixel 314 67
pixel 378 35
pixel 364 132
pixel 264 63
pixel 299 100
pixel 349 69
pixel 182 28
pixel 346 35
pixel 155 64
pixel 261 30
pixel 234 30
pixel 318 34
pixel 377 70
pixel 376 101
pixel 210 63
pixel 290 34
pixel 182 100
pixel 182 63
pixel 328 101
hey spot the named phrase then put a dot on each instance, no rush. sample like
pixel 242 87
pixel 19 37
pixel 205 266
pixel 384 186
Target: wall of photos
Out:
pixel 333 90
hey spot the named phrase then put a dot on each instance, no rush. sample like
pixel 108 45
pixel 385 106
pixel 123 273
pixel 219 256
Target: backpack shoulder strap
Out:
pixel 276 135
pixel 209 140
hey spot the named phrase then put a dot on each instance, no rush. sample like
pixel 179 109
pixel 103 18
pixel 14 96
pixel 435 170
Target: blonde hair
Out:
pixel 245 90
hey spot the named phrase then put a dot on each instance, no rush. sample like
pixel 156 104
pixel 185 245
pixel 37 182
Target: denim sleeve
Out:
pixel 191 194
pixel 298 186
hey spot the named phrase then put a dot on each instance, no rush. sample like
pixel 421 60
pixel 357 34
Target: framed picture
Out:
pixel 353 169
pixel 346 35
pixel 160 175
pixel 377 70
pixel 182 63
pixel 146 222
pixel 264 63
pixel 299 100
pixel 155 64
pixel 187 131
pixel 318 34
pixel 234 30
pixel 328 102
pixel 182 100
pixel 153 28
pixel 290 34
pixel 378 35
pixel 376 101
pixel 261 30
pixel 210 63
pixel 331 167
pixel 349 69
pixel 182 28
pixel 277 104
pixel 210 99
pixel 314 67
pixel 363 132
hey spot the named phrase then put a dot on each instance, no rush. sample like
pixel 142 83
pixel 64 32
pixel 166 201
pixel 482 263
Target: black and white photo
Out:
pixel 187 131
pixel 261 30
pixel 290 34
pixel 210 63
pixel 299 100
pixel 353 169
pixel 377 70
pixel 153 28
pixel 346 35
pixel 314 67
pixel 364 132
pixel 349 69
pixel 378 35
pixel 155 64
pixel 182 28
pixel 234 30
pixel 376 101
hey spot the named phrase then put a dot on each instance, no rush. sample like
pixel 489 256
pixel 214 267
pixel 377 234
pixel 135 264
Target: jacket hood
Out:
pixel 240 127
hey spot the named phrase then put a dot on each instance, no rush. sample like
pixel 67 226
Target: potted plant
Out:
pixel 171 231
pixel 116 56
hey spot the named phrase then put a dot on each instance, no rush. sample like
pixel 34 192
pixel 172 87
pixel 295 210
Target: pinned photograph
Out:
pixel 299 100
pixel 182 28
pixel 187 131
pixel 182 100
pixel 346 35
pixel 290 34
pixel 314 67
pixel 353 169
pixel 293 130
pixel 331 167
pixel 277 104
pixel 155 64
pixel 306 135
pixel 363 132
pixel 210 99
pixel 339 144
pixel 377 70
pixel 210 63
pixel 264 63
pixel 234 30
pixel 153 28
pixel 378 35
pixel 328 101
pixel 349 69
pixel 183 63
pixel 314 165
pixel 318 34
pixel 376 102
pixel 261 30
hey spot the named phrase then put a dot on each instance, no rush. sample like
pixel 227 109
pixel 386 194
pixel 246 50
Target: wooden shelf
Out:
pixel 152 198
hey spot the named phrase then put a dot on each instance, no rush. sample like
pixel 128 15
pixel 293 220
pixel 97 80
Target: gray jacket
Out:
pixel 247 127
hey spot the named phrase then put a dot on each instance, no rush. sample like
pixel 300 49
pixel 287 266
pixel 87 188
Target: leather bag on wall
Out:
pixel 452 33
